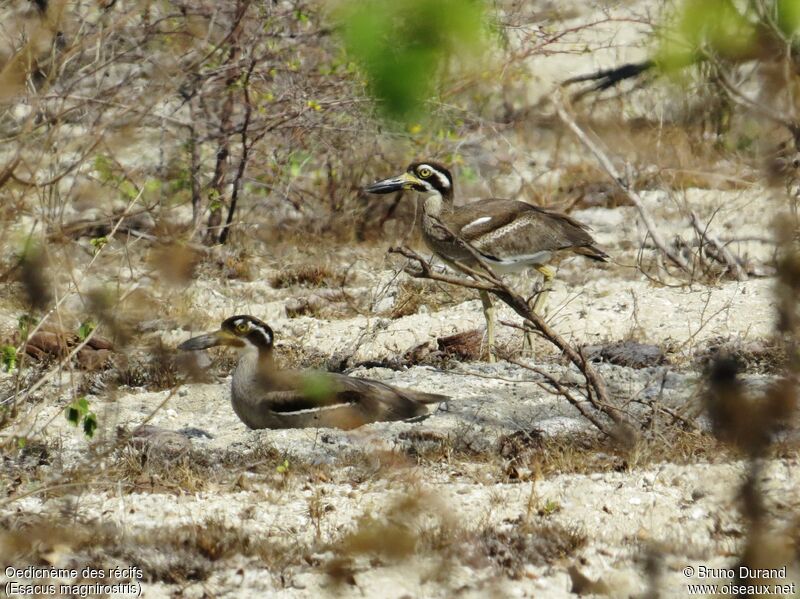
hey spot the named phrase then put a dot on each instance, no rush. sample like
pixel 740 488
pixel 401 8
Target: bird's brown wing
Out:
pixel 502 229
pixel 342 401
pixel 379 401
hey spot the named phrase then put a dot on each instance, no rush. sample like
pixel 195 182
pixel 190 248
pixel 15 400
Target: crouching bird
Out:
pixel 264 396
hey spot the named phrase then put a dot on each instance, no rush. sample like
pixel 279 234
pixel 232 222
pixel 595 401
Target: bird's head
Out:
pixel 242 332
pixel 425 177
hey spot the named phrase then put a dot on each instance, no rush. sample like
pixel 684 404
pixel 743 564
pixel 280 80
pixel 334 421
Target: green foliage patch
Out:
pixel 79 414
pixel 402 45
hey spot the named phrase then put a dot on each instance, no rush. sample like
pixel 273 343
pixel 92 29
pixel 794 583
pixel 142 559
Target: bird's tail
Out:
pixel 429 397
pixel 593 252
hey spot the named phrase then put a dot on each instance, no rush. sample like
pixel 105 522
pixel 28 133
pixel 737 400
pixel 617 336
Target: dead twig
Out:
pixel 563 391
pixel 237 182
pixel 721 253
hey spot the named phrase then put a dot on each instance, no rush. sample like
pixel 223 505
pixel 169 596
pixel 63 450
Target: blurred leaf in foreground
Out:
pixel 788 17
pixel 402 45
pixel 8 357
pixel 85 329
pixel 727 29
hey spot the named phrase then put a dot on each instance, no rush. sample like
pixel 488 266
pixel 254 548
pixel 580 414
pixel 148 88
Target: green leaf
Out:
pixel 789 17
pixel 103 167
pixel 128 189
pixel 550 507
pixel 83 405
pixel 98 243
pixel 8 357
pixel 283 468
pixel 715 26
pixel 151 186
pixel 78 413
pixel 317 387
pixel 402 45
pixel 85 329
pixel 24 324
pixel 90 424
pixel 73 415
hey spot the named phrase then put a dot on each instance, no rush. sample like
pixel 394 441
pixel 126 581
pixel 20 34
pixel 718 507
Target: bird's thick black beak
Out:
pixel 404 181
pixel 220 337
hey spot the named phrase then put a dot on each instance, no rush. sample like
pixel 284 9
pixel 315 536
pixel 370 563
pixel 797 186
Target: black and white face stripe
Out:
pixel 260 337
pixel 251 329
pixel 434 176
pixel 429 173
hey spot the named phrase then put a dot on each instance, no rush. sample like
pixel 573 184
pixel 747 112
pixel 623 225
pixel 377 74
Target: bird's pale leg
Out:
pixel 541 299
pixel 548 274
pixel 488 314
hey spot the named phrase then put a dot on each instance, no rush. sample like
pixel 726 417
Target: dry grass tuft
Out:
pixel 466 346
pixel 418 523
pixel 527 455
pixel 761 356
pixel 156 464
pixel 176 264
pixel 323 303
pixel 154 369
pixel 412 295
pixel 226 263
pixel 306 275
pixel 520 543
pixel 172 555
pixel 411 523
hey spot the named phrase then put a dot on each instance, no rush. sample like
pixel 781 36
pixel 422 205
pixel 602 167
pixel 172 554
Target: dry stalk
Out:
pixel 237 182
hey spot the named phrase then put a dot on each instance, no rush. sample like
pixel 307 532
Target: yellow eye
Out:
pixel 242 327
pixel 425 172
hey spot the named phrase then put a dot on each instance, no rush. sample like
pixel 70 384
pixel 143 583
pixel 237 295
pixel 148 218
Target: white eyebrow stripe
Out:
pixel 476 222
pixel 265 336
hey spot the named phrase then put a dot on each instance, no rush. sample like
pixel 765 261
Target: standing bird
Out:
pixel 509 235
pixel 265 397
